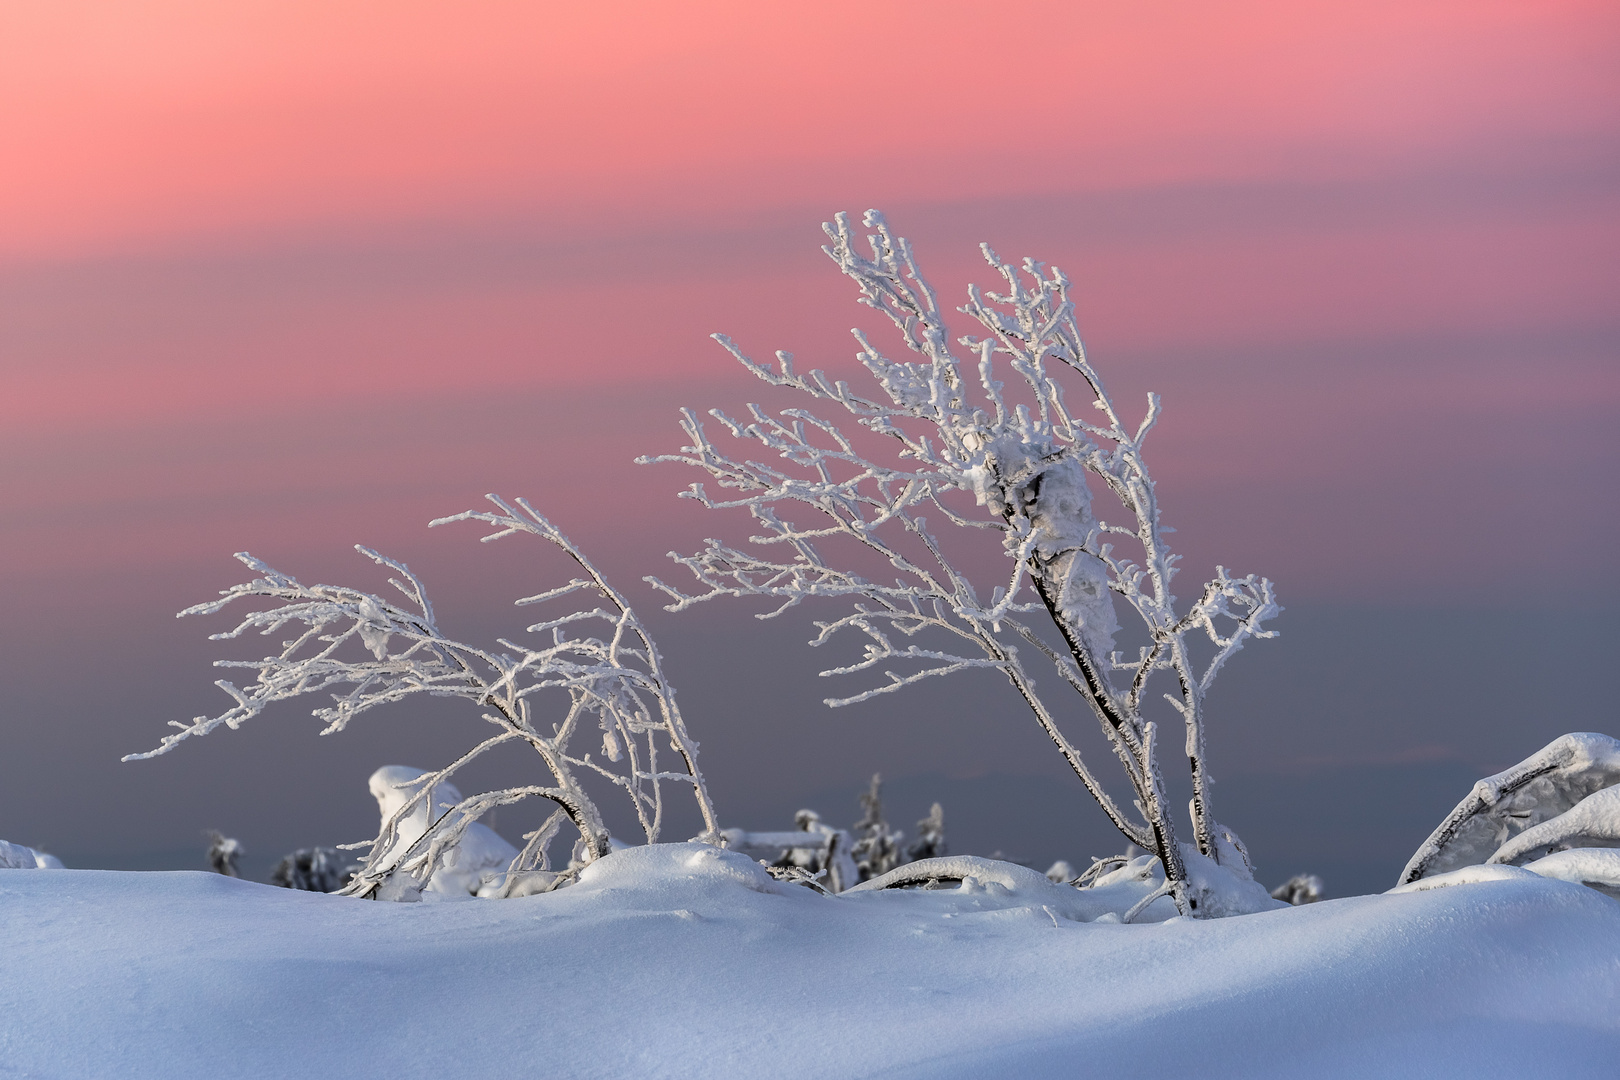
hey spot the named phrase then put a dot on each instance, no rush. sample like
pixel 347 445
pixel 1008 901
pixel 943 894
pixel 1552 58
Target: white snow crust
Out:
pixel 682 960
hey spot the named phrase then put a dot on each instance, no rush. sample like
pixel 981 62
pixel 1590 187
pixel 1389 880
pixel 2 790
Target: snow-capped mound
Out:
pixel 480 856
pixel 1597 868
pixel 19 857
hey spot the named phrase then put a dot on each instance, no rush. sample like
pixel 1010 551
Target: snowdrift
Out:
pixel 687 961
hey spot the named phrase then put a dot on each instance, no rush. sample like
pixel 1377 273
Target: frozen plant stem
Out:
pixel 952 427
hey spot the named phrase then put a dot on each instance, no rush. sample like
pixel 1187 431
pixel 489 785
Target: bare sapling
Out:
pixel 587 705
pixel 939 430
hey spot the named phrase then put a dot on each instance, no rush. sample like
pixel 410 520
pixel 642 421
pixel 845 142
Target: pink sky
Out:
pixel 160 123
pixel 288 275
pixel 1346 242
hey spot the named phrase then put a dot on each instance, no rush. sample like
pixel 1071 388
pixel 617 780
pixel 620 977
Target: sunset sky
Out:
pixel 287 276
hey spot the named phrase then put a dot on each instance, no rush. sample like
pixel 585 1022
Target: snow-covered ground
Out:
pixel 680 960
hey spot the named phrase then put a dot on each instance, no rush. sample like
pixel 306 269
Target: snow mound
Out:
pixel 684 869
pixel 963 883
pixel 478 858
pixel 1467 875
pixel 681 960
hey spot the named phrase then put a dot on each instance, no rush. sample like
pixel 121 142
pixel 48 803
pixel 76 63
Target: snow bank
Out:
pixel 681 960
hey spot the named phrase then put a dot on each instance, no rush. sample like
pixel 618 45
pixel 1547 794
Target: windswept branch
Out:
pixel 364 650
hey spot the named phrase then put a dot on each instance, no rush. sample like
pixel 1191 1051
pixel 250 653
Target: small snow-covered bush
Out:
pixel 1299 890
pixel 846 518
pixel 314 869
pixel 609 691
pixel 224 853
pixel 930 842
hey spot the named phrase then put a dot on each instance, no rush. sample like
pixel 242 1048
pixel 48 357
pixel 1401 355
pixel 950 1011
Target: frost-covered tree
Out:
pixel 587 705
pixel 877 847
pixel 930 842
pixel 845 517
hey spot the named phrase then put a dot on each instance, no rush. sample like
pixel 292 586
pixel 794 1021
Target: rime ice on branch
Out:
pixel 951 425
pixel 373 651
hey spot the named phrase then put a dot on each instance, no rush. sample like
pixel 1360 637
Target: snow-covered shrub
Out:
pixel 609 692
pixel 224 852
pixel 1556 813
pixel 1299 890
pixel 314 869
pixel 1134 891
pixel 951 428
pixel 812 852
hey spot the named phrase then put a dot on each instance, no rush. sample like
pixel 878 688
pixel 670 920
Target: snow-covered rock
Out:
pixel 18 857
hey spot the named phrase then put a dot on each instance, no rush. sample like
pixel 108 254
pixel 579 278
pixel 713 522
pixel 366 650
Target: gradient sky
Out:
pixel 289 276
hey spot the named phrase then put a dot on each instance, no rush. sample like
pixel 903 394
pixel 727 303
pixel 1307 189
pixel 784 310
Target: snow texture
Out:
pixel 684 960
